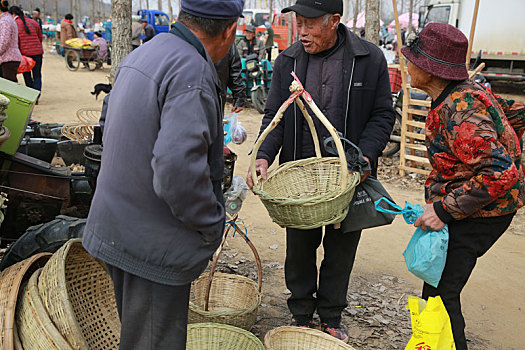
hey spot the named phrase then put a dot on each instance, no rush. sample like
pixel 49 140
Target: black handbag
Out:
pixel 362 213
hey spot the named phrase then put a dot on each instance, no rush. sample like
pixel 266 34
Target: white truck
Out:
pixel 499 37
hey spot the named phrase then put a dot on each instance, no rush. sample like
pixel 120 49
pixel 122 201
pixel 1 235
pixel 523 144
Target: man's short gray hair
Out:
pixel 212 27
pixel 326 18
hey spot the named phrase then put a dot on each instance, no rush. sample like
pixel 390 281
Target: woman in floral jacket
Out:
pixel 10 56
pixel 472 136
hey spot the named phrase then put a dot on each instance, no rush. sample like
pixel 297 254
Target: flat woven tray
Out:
pixel 214 336
pixel 299 338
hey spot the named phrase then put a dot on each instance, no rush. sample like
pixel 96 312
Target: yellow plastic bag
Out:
pixel 431 328
pixel 79 43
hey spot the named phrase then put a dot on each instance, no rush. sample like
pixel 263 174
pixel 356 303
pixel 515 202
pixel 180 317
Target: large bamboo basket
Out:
pixel 226 298
pixel 214 336
pixel 299 338
pixel 306 193
pixel 78 295
pixel 10 281
pixel 35 328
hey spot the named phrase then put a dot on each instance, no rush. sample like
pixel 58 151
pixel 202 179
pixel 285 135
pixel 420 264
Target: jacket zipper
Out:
pixel 348 95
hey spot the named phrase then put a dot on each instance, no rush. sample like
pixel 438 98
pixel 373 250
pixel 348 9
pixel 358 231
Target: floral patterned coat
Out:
pixel 9 51
pixel 473 147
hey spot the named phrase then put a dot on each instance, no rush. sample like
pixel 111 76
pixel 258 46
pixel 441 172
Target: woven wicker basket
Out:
pixel 10 281
pixel 78 295
pixel 306 193
pixel 214 336
pixel 36 330
pixel 299 338
pixel 226 298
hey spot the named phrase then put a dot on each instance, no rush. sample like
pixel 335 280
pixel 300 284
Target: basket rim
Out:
pixel 8 314
pixel 309 331
pixel 228 327
pixel 354 178
pixel 212 313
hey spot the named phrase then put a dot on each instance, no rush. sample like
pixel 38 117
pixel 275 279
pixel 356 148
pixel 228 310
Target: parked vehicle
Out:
pixel 257 18
pixel 158 19
pixel 498 39
pixel 257 76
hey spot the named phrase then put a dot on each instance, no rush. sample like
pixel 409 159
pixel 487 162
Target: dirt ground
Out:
pixel 493 300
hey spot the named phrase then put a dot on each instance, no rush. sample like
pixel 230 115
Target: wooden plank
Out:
pixel 418 159
pixel 420 125
pixel 417 147
pixel 414 135
pixel 414 170
pixel 423 103
pixel 417 112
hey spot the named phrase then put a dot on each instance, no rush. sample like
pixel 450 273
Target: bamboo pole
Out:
pixel 472 30
pixel 406 93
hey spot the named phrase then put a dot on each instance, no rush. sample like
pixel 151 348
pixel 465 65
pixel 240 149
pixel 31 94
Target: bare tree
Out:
pixel 55 10
pixel 147 4
pixel 356 12
pixel 410 16
pixel 170 7
pixel 372 21
pixel 121 32
pixel 93 11
pixel 160 5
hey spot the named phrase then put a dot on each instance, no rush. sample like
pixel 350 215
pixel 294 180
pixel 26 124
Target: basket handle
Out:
pixel 298 90
pixel 216 259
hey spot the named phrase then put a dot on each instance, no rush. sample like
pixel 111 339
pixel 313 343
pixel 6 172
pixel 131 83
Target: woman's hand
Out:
pixel 429 221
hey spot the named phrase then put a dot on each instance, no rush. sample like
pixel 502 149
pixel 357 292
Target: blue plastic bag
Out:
pixel 426 253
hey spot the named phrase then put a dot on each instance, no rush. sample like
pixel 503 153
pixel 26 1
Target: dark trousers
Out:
pixel 154 316
pixel 301 271
pixel 8 70
pixel 469 239
pixel 33 79
pixel 269 54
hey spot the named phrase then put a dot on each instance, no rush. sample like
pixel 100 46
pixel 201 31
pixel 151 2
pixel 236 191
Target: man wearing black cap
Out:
pixel 149 31
pixel 158 211
pixel 250 44
pixel 348 80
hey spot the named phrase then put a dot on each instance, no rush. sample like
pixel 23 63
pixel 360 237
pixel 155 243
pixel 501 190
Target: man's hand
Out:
pixel 366 173
pixel 429 220
pixel 261 168
pixel 237 109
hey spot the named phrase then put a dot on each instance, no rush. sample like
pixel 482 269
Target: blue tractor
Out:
pixel 158 19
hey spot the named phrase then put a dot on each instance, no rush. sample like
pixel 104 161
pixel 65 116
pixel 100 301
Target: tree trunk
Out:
pixel 92 11
pixel 170 7
pixel 271 11
pixel 43 13
pixel 55 10
pixel 410 17
pixel 356 12
pixel 121 32
pixel 71 9
pixel 160 5
pixel 78 16
pixel 372 21
pixel 147 4
pixel 289 22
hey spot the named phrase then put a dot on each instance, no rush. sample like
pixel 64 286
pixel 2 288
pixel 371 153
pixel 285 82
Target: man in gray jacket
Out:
pixel 158 215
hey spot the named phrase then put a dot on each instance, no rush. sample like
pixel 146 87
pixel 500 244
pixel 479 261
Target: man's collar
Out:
pixel 183 32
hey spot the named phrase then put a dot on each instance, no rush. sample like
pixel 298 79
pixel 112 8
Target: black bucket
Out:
pixel 93 155
pixel 72 152
pixel 40 148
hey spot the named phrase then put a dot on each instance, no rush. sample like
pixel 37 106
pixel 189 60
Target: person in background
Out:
pixel 67 30
pixel 159 236
pixel 229 71
pixel 269 40
pixel 148 30
pixel 30 45
pixel 250 44
pixel 348 80
pixel 102 46
pixel 136 31
pixel 36 17
pixel 107 31
pixel 10 56
pixel 477 181
pixel 403 35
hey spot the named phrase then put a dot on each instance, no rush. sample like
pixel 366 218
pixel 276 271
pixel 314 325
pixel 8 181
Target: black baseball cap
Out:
pixel 316 8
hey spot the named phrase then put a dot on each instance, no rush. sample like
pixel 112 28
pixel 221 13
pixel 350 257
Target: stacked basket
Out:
pixel 64 303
